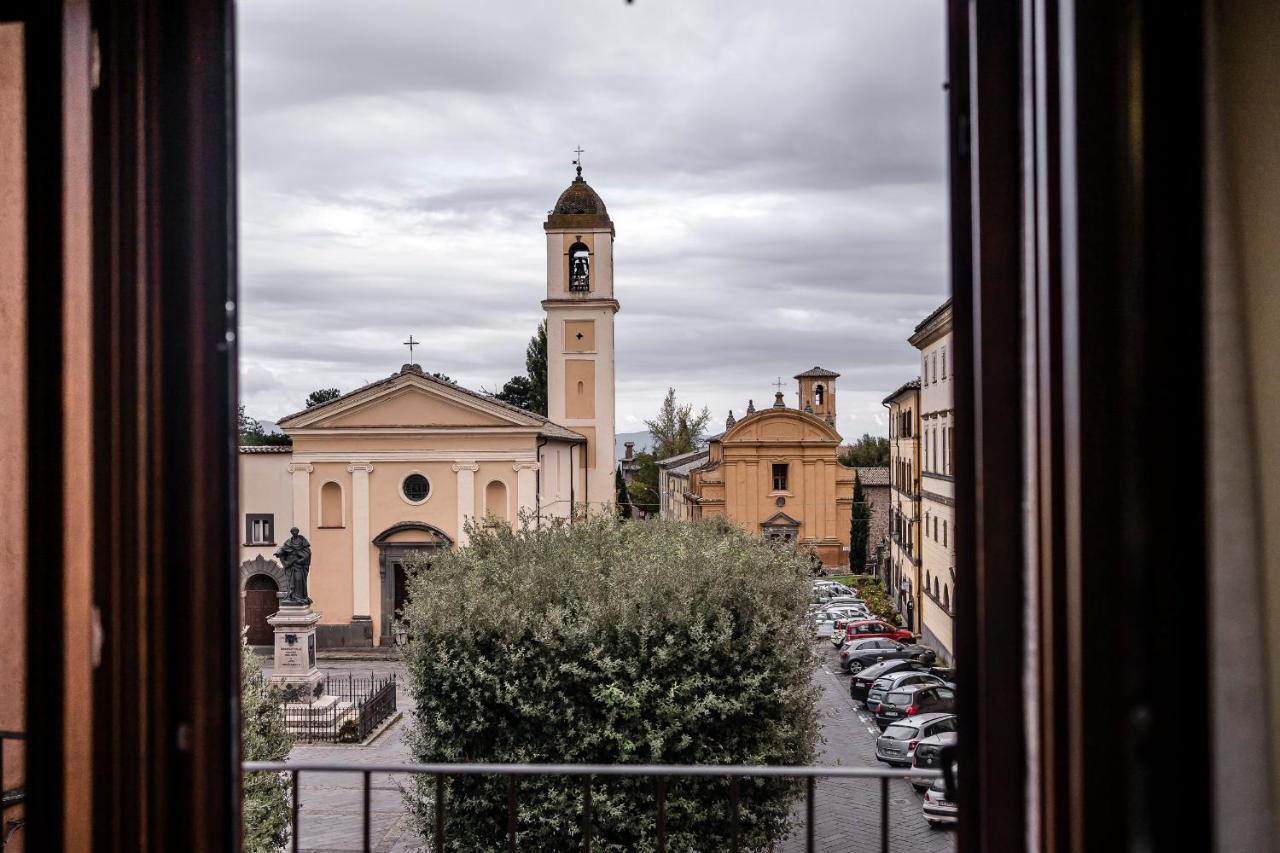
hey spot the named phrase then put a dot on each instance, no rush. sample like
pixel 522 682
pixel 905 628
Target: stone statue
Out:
pixel 295 556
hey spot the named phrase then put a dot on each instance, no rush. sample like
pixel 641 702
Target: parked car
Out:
pixel 936 808
pixel 858 614
pixel 867 654
pixel 870 644
pixel 916 698
pixel 897 746
pixel 886 684
pixel 824 621
pixel 865 628
pixel 928 755
pixel 838 587
pixel 860 685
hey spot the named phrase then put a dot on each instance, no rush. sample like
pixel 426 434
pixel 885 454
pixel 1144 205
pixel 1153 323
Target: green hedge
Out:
pixel 607 642
pixel 266 808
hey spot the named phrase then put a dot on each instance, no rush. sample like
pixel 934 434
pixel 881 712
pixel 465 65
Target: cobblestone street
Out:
pixel 847 812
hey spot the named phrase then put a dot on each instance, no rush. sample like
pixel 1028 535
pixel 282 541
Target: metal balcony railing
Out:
pixel 10 797
pixel 660 773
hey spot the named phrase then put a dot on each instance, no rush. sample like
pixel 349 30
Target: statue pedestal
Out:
pixel 295 652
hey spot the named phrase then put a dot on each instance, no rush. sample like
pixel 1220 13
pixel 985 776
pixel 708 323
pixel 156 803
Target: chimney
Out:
pixel 631 450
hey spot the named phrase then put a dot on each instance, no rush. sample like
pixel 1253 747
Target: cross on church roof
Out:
pixel 411 343
pixel 578 160
pixel 779 384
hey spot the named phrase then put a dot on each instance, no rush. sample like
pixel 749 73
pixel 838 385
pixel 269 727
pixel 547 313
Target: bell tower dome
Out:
pixel 580 305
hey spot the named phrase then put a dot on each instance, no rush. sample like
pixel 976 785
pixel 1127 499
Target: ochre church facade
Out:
pixel 775 473
pixel 402 465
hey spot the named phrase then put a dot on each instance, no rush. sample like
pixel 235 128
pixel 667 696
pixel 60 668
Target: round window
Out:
pixel 416 488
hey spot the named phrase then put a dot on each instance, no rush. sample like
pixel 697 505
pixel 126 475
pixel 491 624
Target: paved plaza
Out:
pixel 848 812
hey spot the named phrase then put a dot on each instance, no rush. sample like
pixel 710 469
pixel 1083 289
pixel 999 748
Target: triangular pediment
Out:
pixel 407 401
pixel 780 519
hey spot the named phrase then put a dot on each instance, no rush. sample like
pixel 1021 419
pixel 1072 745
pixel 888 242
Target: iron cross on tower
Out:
pixel 411 343
pixel 578 160
pixel 779 384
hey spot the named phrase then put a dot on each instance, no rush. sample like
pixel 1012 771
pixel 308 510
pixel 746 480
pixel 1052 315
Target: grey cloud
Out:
pixel 776 174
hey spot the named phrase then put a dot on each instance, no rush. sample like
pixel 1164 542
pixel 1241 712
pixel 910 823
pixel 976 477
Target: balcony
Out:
pixel 588 775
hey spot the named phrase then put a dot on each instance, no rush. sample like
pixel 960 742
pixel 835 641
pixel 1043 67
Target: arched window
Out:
pixel 331 505
pixel 946 597
pixel 819 394
pixel 579 268
pixel 495 500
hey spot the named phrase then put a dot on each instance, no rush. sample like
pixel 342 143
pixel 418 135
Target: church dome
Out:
pixel 579 206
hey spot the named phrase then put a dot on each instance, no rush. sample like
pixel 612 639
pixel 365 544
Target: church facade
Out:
pixel 775 473
pixel 402 465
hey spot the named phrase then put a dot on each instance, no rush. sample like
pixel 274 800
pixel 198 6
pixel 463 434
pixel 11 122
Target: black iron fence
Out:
pixel 10 797
pixel 350 709
pixel 660 774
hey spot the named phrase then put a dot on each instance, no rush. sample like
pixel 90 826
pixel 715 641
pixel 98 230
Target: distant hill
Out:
pixel 642 439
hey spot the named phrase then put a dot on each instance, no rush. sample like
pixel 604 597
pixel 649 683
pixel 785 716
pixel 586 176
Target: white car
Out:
pixel 936 808
pixel 824 620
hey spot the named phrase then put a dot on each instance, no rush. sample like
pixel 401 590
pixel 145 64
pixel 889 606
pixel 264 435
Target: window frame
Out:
pixel 249 519
pixel 774 478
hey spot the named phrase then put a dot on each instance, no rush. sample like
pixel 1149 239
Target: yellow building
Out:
pixel 903 568
pixel 401 465
pixel 937 488
pixel 774 473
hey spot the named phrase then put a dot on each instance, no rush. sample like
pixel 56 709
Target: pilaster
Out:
pixel 466 473
pixel 360 577
pixel 527 487
pixel 301 472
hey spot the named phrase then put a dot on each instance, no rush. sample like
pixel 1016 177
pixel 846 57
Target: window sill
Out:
pixel 257 545
pixel 330 526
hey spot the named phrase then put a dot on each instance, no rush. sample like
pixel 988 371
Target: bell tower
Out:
pixel 580 306
pixel 818 393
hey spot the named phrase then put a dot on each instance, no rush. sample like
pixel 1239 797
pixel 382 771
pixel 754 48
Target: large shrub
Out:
pixel 606 642
pixel 266 808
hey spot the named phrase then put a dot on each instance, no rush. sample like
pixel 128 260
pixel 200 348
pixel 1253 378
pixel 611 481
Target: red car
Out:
pixel 868 628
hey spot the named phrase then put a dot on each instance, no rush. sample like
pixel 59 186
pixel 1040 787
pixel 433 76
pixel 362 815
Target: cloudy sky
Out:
pixel 775 171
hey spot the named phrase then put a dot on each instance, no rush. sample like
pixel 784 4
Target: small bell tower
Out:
pixel 580 306
pixel 818 392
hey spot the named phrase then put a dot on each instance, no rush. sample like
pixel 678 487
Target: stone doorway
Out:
pixel 260 601
pixel 397 547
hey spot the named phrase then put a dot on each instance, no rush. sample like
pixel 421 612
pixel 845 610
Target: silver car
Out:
pixel 897 746
pixel 824 620
pixel 929 755
pixel 896 681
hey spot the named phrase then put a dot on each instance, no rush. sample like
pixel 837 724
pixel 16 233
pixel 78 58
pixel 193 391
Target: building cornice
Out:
pixel 371 456
pixel 936 498
pixel 584 302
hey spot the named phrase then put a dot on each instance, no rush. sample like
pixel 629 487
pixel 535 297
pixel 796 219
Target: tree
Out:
pixel 515 392
pixel 676 429
pixel 867 452
pixel 264 738
pixel 859 527
pixel 253 435
pixel 322 395
pixel 614 644
pixel 535 365
pixel 644 484
pixel 622 498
